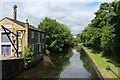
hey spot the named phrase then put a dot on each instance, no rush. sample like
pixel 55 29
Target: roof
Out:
pixel 22 24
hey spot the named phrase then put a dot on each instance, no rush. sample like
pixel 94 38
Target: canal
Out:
pixel 72 64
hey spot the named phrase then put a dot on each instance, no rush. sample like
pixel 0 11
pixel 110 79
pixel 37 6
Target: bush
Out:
pixel 27 55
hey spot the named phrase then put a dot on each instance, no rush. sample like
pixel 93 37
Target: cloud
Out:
pixel 49 0
pixel 57 0
pixel 106 0
pixel 76 15
pixel 0 10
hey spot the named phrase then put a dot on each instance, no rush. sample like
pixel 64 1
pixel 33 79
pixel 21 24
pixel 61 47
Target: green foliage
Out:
pixel 47 52
pixel 58 36
pixel 76 40
pixel 107 39
pixel 104 30
pixel 27 55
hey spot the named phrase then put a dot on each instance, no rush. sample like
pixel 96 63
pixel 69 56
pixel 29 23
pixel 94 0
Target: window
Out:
pixel 39 48
pixel 42 35
pixel 38 37
pixel 32 47
pixel 19 48
pixel 32 34
pixel 43 45
pixel 4 37
pixel 6 49
pixel 19 34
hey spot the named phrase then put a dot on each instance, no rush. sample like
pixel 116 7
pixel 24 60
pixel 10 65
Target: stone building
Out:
pixel 27 35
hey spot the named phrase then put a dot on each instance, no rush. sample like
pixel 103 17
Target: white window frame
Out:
pixel 5 43
pixel 32 34
pixel 20 35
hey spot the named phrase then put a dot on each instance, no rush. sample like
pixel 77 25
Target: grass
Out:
pixel 102 62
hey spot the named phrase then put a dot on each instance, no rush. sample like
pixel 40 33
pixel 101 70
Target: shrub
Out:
pixel 27 55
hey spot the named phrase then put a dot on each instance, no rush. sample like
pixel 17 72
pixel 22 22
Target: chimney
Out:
pixel 26 20
pixel 15 12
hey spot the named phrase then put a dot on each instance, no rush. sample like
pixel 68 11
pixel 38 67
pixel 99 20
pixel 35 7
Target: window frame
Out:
pixel 5 43
pixel 32 34
pixel 7 48
pixel 7 37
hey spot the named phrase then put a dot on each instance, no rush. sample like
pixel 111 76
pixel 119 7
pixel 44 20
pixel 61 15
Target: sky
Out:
pixel 76 14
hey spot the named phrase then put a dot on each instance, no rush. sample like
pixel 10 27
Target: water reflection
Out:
pixel 64 65
pixel 88 65
pixel 60 61
pixel 75 69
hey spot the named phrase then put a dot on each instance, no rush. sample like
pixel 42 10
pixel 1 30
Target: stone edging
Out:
pixel 94 64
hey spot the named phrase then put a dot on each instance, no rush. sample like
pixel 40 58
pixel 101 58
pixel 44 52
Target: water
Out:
pixel 64 65
pixel 75 69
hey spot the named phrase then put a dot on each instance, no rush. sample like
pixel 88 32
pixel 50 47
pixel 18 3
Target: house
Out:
pixel 27 35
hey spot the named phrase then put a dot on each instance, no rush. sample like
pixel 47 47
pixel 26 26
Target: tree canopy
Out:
pixel 104 30
pixel 58 36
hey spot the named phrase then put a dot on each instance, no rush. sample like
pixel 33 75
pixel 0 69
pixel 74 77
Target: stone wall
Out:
pixel 93 64
pixel 11 67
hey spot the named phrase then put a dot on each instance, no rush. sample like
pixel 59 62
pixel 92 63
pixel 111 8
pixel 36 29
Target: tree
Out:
pixel 104 30
pixel 58 36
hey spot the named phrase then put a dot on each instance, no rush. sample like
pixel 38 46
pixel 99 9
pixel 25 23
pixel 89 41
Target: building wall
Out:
pixel 14 28
pixel 43 40
pixel 26 36
pixel 34 41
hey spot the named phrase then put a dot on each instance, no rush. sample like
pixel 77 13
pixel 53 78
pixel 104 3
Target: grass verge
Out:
pixel 102 62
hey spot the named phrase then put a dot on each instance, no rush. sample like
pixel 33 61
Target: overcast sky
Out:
pixel 76 14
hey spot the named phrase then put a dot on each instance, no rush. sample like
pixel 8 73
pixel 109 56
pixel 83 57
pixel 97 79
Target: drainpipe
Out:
pixel 17 43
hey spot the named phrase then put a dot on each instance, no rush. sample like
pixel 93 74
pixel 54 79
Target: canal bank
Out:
pixel 100 64
pixel 93 64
